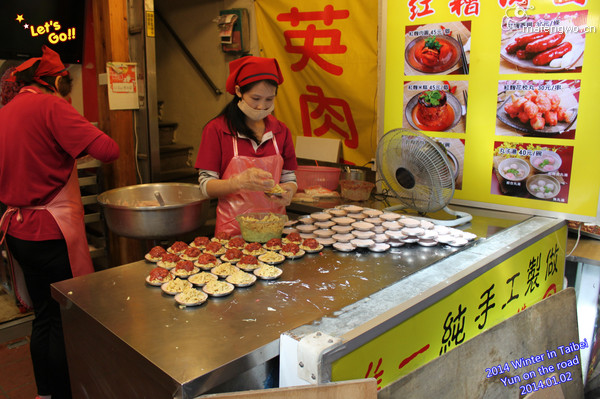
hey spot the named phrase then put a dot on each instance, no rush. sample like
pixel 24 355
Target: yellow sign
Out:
pixel 150 27
pixel 515 81
pixel 520 281
pixel 328 56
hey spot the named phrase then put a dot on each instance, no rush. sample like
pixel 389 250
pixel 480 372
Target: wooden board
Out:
pixel 355 389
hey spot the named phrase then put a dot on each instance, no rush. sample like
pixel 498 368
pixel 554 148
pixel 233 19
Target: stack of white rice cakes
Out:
pixel 347 227
pixel 215 267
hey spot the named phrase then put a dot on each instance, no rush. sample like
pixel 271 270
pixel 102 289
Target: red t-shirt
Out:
pixel 40 137
pixel 216 146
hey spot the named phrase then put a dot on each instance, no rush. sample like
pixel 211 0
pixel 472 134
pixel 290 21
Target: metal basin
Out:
pixel 134 211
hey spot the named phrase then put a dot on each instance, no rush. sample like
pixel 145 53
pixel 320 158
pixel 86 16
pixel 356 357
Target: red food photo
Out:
pixel 432 112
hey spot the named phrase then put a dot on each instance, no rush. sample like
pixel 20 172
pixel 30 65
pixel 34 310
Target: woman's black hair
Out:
pixel 27 77
pixel 236 120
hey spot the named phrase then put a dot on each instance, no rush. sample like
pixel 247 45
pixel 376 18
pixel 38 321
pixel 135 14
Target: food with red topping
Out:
pixel 233 254
pixel 155 254
pixel 178 247
pixel 206 261
pixel 200 242
pixel 222 237
pixel 159 275
pixel 274 244
pixel 169 260
pixel 236 242
pixel 293 237
pixel 191 253
pixel 215 248
pixel 290 249
pixel 184 268
pixel 186 265
pixel 311 245
pixel 254 248
pixel 157 251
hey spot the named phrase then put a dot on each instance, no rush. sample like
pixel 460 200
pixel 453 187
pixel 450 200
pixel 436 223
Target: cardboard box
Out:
pixel 318 148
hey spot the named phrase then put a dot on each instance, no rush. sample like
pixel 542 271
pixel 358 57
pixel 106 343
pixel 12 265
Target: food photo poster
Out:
pixel 522 77
pixel 532 171
pixel 538 108
pixel 435 106
pixel 437 48
pixel 549 42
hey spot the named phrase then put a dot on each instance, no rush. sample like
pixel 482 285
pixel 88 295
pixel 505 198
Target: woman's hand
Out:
pixel 253 179
pixel 286 197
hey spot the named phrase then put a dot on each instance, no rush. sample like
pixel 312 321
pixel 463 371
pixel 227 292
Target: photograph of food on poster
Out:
pixel 435 106
pixel 552 42
pixel 437 48
pixel 540 172
pixel 455 149
pixel 538 108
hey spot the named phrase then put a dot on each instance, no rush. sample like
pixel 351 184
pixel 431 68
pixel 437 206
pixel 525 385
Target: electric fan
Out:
pixel 418 171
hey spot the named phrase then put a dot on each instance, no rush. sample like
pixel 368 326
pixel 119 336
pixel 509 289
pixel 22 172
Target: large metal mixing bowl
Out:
pixel 134 211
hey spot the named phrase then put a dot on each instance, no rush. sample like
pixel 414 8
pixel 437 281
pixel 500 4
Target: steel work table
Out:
pixel 127 339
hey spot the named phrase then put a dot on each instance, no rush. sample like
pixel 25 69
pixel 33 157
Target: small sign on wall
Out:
pixel 122 85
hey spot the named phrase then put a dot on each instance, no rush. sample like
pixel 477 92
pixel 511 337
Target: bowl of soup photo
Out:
pixel 547 161
pixel 514 169
pixel 543 186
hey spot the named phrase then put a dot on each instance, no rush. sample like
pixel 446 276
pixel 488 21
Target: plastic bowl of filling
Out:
pixel 548 161
pixel 261 227
pixel 543 186
pixel 514 169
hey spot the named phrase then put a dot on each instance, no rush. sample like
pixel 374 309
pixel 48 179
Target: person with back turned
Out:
pixel 41 136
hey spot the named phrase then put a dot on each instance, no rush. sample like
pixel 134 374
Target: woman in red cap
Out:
pixel 41 135
pixel 245 150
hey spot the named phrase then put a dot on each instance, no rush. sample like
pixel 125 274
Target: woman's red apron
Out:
pixel 246 201
pixel 67 209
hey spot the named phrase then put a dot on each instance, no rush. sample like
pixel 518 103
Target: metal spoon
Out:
pixel 159 198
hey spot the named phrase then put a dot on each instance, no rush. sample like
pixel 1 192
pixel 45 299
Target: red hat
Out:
pixel 245 70
pixel 50 64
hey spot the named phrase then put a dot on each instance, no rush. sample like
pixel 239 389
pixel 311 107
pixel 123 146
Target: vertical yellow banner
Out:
pixel 328 56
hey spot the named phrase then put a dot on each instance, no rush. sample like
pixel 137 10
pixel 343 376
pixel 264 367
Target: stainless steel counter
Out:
pixel 128 339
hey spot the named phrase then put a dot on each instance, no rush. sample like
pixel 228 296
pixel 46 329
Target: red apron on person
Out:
pixel 67 210
pixel 245 201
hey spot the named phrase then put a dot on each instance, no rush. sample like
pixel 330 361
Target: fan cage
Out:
pixel 425 160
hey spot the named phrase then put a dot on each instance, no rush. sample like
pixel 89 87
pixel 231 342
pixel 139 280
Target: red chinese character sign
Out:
pixel 329 67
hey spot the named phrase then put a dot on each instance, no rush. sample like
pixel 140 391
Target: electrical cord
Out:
pixel 576 242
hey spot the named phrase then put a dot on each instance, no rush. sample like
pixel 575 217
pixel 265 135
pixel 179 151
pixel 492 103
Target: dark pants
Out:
pixel 44 263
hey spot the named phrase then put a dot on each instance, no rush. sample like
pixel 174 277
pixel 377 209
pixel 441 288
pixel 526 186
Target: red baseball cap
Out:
pixel 245 70
pixel 50 64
